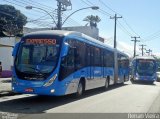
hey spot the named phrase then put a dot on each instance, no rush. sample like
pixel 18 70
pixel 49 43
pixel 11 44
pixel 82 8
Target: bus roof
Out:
pixel 144 57
pixel 73 33
pixel 53 32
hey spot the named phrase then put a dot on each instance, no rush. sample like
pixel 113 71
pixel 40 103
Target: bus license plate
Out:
pixel 28 90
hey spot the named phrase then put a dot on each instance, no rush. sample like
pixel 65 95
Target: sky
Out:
pixel 139 18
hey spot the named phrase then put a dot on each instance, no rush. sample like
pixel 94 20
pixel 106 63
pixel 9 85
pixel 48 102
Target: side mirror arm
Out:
pixel 14 52
pixel 65 49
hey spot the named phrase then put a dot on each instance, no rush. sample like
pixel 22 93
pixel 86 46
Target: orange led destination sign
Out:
pixel 145 61
pixel 41 41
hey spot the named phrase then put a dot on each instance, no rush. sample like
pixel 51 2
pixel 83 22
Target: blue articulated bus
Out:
pixel 59 62
pixel 144 68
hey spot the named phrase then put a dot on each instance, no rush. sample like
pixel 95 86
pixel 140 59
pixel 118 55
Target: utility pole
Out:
pixel 59 13
pixel 115 26
pixel 115 46
pixel 135 42
pixel 142 48
pixel 149 52
pixel 62 6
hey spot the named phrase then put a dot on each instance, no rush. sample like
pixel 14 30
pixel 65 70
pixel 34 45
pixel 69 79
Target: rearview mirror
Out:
pixel 65 50
pixel 15 49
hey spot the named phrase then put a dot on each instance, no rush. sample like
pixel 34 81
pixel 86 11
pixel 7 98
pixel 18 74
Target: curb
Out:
pixel 8 93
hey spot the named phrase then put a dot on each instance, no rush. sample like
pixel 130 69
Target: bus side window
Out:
pixel 119 61
pixel 97 57
pixel 80 48
pixel 68 61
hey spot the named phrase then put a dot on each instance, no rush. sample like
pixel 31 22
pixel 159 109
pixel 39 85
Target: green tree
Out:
pixel 11 21
pixel 92 20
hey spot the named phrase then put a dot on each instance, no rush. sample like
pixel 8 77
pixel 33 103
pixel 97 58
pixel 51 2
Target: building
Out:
pixel 6 48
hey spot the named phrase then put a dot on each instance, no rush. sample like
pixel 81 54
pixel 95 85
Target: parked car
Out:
pixel 158 74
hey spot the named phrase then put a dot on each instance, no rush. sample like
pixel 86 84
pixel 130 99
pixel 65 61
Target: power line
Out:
pixel 124 29
pixel 41 23
pixel 104 4
pixel 13 3
pixel 99 10
pixel 46 6
pixel 33 9
pixel 130 27
pixel 153 36
pixel 40 18
pixel 19 5
pixel 33 3
pixel 70 21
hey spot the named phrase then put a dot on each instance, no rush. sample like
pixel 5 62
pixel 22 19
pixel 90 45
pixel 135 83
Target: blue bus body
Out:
pixel 74 59
pixel 144 69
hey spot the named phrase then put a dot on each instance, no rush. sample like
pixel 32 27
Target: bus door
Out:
pixel 90 67
pixel 92 62
pixel 102 65
pixel 88 62
pixel 98 69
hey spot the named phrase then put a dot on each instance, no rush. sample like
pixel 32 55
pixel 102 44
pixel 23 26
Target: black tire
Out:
pixel 151 82
pixel 79 89
pixel 123 80
pixel 158 80
pixel 106 84
pixel 132 81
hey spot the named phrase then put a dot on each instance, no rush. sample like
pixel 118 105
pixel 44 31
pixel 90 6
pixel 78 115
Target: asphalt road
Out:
pixel 126 99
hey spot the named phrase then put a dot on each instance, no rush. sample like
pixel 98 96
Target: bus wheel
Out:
pixel 123 80
pixel 79 89
pixel 132 80
pixel 151 82
pixel 106 84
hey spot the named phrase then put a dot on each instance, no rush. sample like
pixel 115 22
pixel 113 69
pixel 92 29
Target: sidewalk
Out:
pixel 5 87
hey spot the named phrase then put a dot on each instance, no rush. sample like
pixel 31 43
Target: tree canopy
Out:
pixel 11 21
pixel 93 20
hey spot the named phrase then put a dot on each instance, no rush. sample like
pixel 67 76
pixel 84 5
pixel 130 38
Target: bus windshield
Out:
pixel 37 56
pixel 146 67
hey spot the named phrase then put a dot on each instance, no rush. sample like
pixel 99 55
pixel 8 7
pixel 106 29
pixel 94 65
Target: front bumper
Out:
pixel 38 89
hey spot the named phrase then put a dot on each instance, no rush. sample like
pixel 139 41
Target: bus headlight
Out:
pixel 137 75
pixel 50 81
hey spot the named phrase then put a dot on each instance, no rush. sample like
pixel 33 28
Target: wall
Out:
pixel 6 52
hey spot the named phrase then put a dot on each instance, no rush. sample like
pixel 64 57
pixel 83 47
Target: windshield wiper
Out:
pixel 27 72
pixel 39 71
pixel 32 75
pixel 35 69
